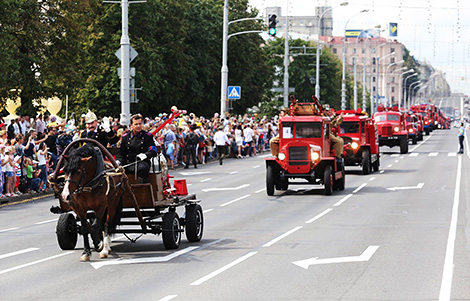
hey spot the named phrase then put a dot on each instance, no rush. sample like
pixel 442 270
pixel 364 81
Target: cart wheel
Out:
pixel 66 231
pixel 194 222
pixel 171 233
pixel 328 180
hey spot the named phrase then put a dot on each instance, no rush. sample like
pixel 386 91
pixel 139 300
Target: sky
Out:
pixel 437 32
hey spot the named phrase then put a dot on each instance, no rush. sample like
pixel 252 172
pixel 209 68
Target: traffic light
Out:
pixel 272 25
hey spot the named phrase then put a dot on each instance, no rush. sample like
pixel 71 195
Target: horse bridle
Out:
pixel 79 188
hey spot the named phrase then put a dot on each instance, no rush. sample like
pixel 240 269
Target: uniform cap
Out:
pixel 90 117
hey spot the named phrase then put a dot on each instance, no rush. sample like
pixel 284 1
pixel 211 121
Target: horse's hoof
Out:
pixel 85 258
pixel 103 255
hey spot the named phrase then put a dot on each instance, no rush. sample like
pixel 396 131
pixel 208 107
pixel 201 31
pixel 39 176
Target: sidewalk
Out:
pixel 26 196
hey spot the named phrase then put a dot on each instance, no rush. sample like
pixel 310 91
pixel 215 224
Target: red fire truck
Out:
pixel 361 140
pixel 304 151
pixel 392 128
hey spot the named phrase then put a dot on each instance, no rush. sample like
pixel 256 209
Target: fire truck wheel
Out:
pixel 375 165
pixel 365 162
pixel 404 146
pixel 414 140
pixel 270 180
pixel 328 180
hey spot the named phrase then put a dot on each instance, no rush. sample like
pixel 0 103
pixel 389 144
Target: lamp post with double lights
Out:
pixel 400 89
pixel 364 67
pixel 420 86
pixel 317 71
pixel 405 105
pixel 386 79
pixel 372 103
pixel 409 93
pixel 392 79
pixel 343 83
pixel 377 76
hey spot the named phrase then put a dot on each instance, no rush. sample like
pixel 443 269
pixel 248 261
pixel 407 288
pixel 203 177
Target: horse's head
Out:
pixel 79 170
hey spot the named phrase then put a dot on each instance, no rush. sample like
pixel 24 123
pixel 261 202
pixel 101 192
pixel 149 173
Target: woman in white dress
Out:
pixel 239 139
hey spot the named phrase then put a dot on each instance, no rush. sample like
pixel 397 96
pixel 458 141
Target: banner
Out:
pixel 393 30
pixel 354 33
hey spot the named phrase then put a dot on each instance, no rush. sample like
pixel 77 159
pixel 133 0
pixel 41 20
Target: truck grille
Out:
pixel 298 155
pixel 387 130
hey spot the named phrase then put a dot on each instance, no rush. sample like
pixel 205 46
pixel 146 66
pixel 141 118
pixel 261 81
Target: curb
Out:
pixel 19 199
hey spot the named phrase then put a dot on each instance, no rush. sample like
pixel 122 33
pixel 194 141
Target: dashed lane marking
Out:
pixel 414 154
pixel 168 298
pixel 48 221
pixel 390 165
pixel 233 172
pixel 9 229
pixel 360 187
pixel 372 179
pixel 18 252
pixel 343 200
pixel 235 200
pixel 261 190
pixel 452 154
pixel 206 180
pixel 433 154
pixel 318 216
pixel 34 262
pixel 226 189
pixel 395 155
pixel 272 242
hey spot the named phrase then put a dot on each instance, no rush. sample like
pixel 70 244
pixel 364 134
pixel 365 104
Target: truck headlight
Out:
pixel 396 129
pixel 354 145
pixel 315 156
pixel 281 156
pixel 411 130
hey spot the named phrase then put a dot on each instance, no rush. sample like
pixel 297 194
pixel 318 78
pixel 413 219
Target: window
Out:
pixel 373 79
pixel 287 130
pixel 354 50
pixel 392 50
pixel 308 130
pixel 393 89
pixel 373 89
pixel 349 127
pixel 335 50
pixel 301 22
pixel 363 127
pixel 392 60
pixel 373 61
pixel 393 99
pixel 392 80
pixel 393 117
pixel 363 50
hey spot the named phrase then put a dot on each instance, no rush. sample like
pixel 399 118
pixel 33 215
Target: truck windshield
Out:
pixel 393 117
pixel 381 117
pixel 308 130
pixel 302 130
pixel 349 127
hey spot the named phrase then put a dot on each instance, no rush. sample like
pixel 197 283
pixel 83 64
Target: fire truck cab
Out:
pixel 392 128
pixel 304 151
pixel 361 140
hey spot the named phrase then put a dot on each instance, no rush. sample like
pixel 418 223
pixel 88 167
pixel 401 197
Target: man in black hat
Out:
pixel 191 142
pixel 137 146
pixel 103 136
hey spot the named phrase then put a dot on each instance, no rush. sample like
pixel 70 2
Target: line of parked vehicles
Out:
pixel 305 142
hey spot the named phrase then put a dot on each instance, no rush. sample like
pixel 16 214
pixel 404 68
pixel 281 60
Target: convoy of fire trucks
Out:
pixel 305 151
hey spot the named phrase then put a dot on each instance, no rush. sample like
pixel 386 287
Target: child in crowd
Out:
pixel 33 182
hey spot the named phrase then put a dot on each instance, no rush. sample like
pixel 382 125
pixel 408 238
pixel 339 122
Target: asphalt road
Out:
pixel 398 234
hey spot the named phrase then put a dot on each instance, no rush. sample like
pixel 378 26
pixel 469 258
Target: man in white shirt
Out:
pixel 221 141
pixel 248 134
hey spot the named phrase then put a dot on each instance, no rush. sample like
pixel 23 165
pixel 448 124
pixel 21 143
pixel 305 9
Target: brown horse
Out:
pixel 89 187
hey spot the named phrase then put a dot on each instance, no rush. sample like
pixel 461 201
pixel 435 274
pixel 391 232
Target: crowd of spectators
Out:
pixel 30 147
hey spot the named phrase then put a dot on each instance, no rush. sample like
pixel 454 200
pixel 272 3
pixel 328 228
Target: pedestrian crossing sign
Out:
pixel 234 92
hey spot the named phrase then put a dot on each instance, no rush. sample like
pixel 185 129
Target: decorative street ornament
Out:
pixel 12 104
pixel 54 105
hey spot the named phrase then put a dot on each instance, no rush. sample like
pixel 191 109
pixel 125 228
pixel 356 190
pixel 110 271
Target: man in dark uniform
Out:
pixel 137 146
pixel 103 136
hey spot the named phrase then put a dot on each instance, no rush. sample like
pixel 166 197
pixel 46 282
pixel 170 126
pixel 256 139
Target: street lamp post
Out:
pixel 343 83
pixel 377 75
pixel 386 79
pixel 224 70
pixel 400 88
pixel 317 71
pixel 409 93
pixel 417 86
pixel 404 86
pixel 390 85
pixel 372 103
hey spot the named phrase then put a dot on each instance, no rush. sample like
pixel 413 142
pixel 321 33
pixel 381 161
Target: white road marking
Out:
pixel 264 156
pixel 434 154
pixel 343 200
pixel 396 161
pixel 382 171
pixel 446 284
pixel 256 166
pixel 395 155
pixel 233 172
pixel 318 216
pixel 34 262
pixel 414 154
pixel 168 298
pixel 226 189
pixel 261 190
pixel 206 180
pixel 194 173
pixel 48 221
pixel 223 269
pixel 452 154
pixel 365 256
pixel 359 188
pixel 272 242
pixel 401 157
pixel 18 252
pixel 208 210
pixel 372 179
pixel 166 258
pixel 390 165
pixel 419 186
pixel 235 200
pixel 9 229
pixel 414 148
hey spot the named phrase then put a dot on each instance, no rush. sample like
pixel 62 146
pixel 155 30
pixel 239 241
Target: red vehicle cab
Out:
pixel 304 151
pixel 412 127
pixel 392 128
pixel 361 140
